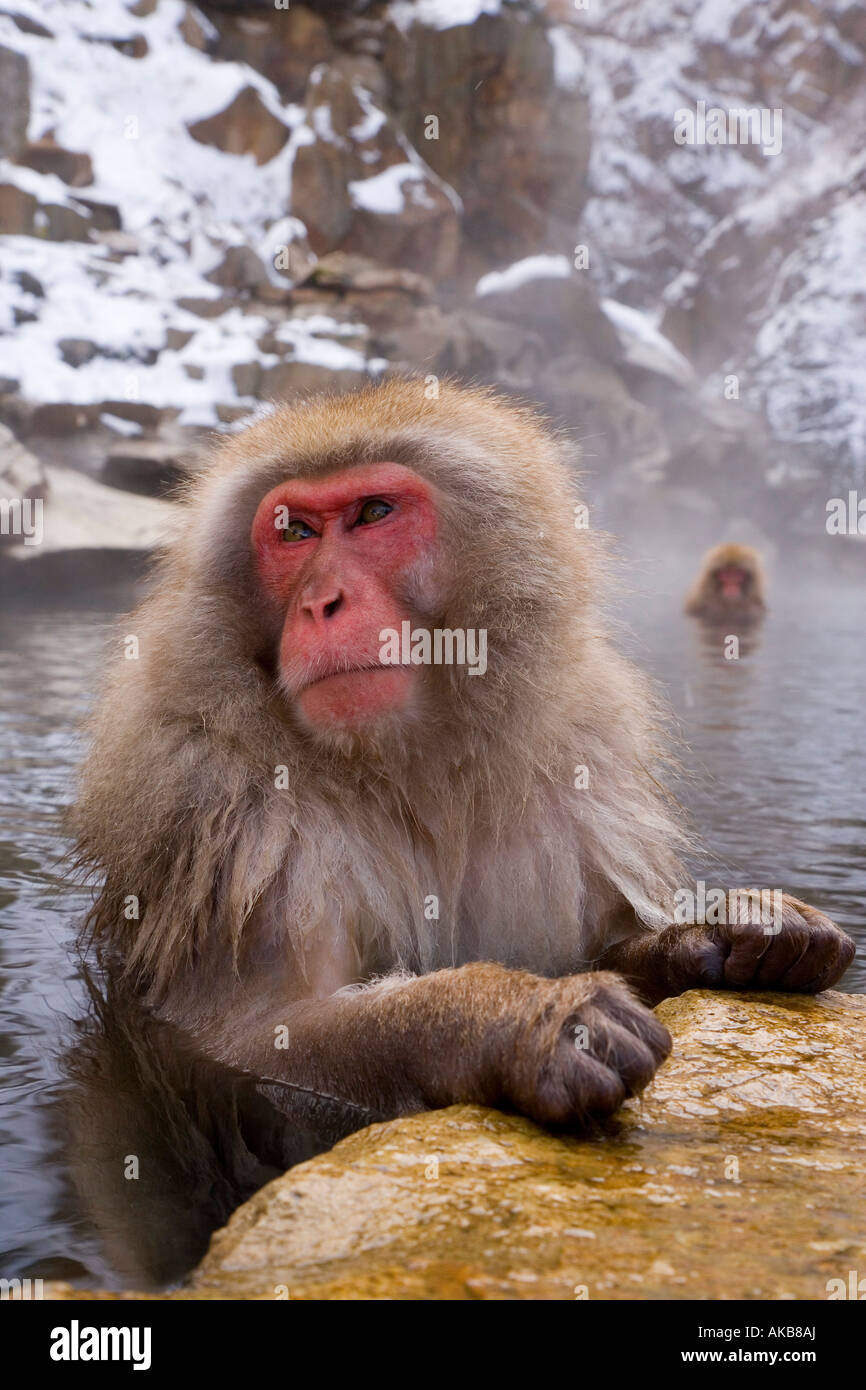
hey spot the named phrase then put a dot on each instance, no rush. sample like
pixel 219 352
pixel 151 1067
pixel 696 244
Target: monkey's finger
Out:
pixel 594 1090
pixel 748 945
pixel 785 952
pixel 574 1089
pixel 823 962
pixel 697 961
pixel 639 1021
pixel 622 1050
pixel 634 1061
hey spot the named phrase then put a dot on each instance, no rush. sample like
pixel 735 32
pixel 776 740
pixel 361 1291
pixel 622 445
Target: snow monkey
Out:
pixel 364 862
pixel 730 586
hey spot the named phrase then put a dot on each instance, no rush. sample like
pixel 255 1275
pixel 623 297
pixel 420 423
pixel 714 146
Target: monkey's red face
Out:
pixel 341 559
pixel 731 581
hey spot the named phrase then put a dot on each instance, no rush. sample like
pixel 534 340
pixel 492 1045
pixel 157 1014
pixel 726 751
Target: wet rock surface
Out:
pixel 738 1174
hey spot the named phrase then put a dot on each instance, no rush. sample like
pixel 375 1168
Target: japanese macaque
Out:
pixel 401 883
pixel 730 586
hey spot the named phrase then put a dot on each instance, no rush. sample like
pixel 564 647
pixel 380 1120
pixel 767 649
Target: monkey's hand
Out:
pixel 579 1050
pixel 562 1051
pixel 795 948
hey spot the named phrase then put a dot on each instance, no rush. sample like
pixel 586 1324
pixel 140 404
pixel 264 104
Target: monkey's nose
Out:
pixel 323 606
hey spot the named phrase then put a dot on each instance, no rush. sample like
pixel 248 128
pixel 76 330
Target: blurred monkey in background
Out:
pixel 730 587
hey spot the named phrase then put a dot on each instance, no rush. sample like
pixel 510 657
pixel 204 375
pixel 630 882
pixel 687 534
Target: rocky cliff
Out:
pixel 206 209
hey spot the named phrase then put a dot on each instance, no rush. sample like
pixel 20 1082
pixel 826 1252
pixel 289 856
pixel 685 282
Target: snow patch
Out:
pixel 568 64
pixel 522 272
pixel 181 204
pixel 440 14
pixel 643 344
pixel 383 193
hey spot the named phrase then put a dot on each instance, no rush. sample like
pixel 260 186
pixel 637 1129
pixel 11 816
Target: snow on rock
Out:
pixel 82 514
pixel 440 14
pixel 128 428
pixel 643 344
pixel 383 193
pixel 568 65
pixel 759 260
pixel 181 204
pixel 131 115
pixel 530 268
pixel 124 291
pixel 126 308
pixel 312 341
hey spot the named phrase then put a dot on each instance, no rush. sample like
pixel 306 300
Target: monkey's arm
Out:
pixel 561 1051
pixel 804 952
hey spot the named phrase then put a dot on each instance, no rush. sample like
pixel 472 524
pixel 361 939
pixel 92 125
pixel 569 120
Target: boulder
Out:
pixel 468 344
pixel 204 308
pixel 240 269
pixel 383 296
pixel 356 184
pixel 119 244
pixel 63 222
pixel 131 46
pixel 57 417
pixel 347 272
pixel 737 1175
pixel 104 217
pixel 15 105
pixel 245 126
pixel 177 338
pixel 644 348
pixel 77 352
pixel 543 293
pixel 30 284
pixel 17 211
pixel 82 515
pixel 149 417
pixel 22 214
pixel 286 380
pixel 230 413
pixel 247 378
pixel 196 30
pixel 283 44
pixel 286 248
pixel 149 467
pixel 27 24
pixel 497 108
pixel 22 478
pixel 74 167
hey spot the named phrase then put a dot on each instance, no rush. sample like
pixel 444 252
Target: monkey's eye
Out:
pixel 374 509
pixel 297 530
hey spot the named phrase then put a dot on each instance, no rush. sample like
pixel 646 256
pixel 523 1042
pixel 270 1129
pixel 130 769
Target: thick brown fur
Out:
pixel 479 808
pixel 704 599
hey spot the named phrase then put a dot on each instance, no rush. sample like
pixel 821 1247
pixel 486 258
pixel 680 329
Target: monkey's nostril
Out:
pixel 330 608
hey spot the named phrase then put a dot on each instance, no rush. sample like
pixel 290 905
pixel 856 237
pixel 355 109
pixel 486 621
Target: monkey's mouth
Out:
pixel 342 671
pixel 354 696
